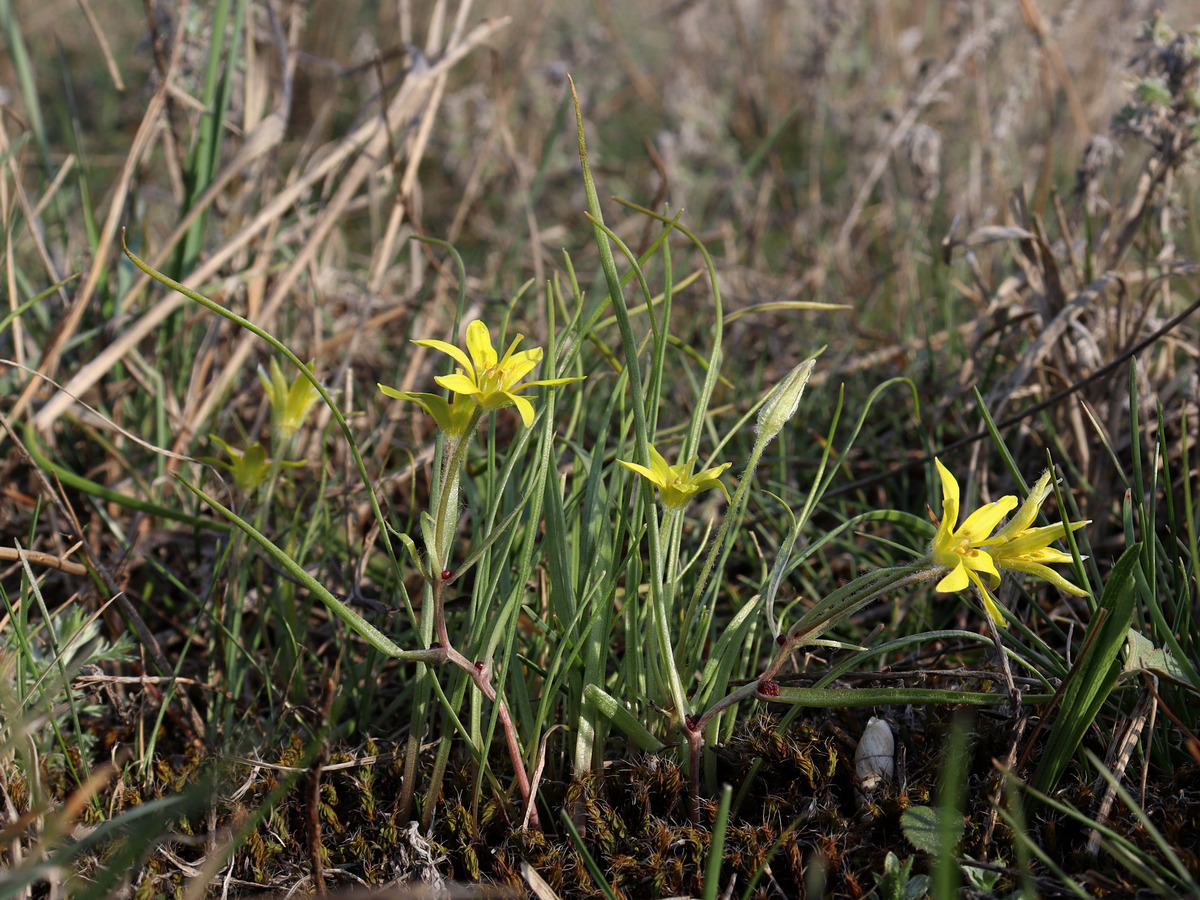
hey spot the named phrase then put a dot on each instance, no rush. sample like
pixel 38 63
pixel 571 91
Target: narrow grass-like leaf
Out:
pixel 846 698
pixel 716 848
pixel 616 713
pixel 357 623
pixel 675 688
pixel 1094 673
pixel 594 870
pixel 14 41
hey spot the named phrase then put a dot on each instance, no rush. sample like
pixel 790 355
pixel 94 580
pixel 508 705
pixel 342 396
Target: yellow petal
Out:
pixel 662 470
pixel 949 493
pixel 1029 509
pixel 978 561
pixel 549 382
pixel 956 580
pixel 459 383
pixel 479 345
pixel 524 407
pixel 641 470
pixel 1036 539
pixel 511 347
pixel 994 610
pixel 450 350
pixel 980 523
pixel 1046 574
pixel 520 365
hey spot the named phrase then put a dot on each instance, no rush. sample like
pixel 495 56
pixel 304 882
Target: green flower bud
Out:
pixel 781 405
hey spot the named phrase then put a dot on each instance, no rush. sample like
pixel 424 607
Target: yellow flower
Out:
pixel 675 485
pixel 1023 549
pixel 290 404
pixel 249 468
pixel 971 552
pixel 489 380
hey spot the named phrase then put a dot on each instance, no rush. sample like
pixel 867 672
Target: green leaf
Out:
pixel 1094 674
pixel 414 554
pixel 609 707
pixel 920 826
pixel 1142 656
pixel 896 881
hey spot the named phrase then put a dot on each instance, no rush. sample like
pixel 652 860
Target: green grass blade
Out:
pixel 615 712
pixel 845 698
pixel 1095 672
pixel 716 849
pixel 365 629
pixel 593 869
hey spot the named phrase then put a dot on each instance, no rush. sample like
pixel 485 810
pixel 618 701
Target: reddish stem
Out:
pixel 481 675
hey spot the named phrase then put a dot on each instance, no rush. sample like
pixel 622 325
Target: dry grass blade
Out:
pixel 102 43
pixel 1045 342
pixel 953 67
pixel 69 324
pixel 537 883
pixel 1119 755
pixel 414 90
pixel 366 144
pixel 39 558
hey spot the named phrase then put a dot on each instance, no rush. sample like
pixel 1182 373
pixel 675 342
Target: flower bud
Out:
pixel 781 405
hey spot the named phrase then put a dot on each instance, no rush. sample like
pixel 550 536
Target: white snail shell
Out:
pixel 874 760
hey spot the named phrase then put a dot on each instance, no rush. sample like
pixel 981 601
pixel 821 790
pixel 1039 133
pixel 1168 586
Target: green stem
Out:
pixel 665 563
pixel 732 513
pixel 446 513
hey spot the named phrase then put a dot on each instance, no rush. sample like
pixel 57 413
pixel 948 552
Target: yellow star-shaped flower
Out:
pixel 972 553
pixel 488 379
pixel 676 486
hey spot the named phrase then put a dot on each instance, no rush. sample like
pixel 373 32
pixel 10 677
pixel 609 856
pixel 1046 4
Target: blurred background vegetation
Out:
pixel 999 193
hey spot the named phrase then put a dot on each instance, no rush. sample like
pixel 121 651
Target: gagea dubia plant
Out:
pixel 593 606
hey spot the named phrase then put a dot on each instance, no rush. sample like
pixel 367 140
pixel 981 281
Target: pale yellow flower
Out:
pixel 290 403
pixel 250 467
pixel 676 486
